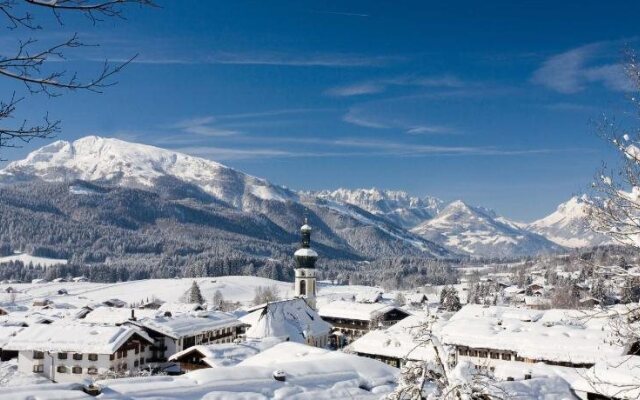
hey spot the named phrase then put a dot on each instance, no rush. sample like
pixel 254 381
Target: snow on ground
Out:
pixel 311 374
pixel 233 288
pixel 27 259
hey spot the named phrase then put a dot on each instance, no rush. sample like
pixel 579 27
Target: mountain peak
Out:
pixel 100 159
pixel 397 206
pixel 568 225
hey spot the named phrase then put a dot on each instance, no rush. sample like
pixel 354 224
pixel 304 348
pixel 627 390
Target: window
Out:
pixel 462 352
pixel 473 353
pixel 62 356
pixel 93 357
pixel 124 353
pixel 495 356
pixel 135 363
pixel 119 353
pixel 76 370
pixel 77 356
pixel 61 369
pixel 92 370
pixel 136 349
pixel 38 368
pixel 483 354
pixel 141 360
pixel 112 357
pixel 38 355
pixel 506 356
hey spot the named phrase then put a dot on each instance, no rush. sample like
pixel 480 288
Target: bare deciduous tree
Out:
pixel 29 62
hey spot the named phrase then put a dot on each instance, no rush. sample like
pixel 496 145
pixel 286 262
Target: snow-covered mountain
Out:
pixel 342 227
pixel 568 225
pixel 480 232
pixel 397 206
pixel 97 159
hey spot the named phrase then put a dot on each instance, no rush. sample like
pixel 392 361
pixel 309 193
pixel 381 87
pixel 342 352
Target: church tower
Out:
pixel 305 270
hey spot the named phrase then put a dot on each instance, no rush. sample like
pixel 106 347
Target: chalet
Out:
pixel 350 320
pixel 395 345
pixel 494 335
pixel 153 304
pixel 41 302
pixel 417 299
pixel 172 334
pixel 59 280
pixel 80 279
pixel 70 352
pixel 291 320
pixel 117 303
pixel 222 354
pixel 39 281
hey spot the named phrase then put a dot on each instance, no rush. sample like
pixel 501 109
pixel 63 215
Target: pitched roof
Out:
pixel 292 318
pixel 74 337
pixel 354 310
pixel 190 324
pixel 552 335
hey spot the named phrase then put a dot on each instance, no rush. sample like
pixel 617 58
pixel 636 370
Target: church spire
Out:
pixel 306 257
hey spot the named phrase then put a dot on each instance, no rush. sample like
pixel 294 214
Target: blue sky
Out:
pixel 491 102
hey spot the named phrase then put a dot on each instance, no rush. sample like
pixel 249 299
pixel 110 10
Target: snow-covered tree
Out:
pixel 193 295
pixel 400 300
pixel 449 299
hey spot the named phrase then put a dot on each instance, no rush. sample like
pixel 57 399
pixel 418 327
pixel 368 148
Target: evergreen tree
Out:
pixel 450 301
pixel 193 295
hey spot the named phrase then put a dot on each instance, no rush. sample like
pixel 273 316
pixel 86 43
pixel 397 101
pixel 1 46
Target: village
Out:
pixel 232 336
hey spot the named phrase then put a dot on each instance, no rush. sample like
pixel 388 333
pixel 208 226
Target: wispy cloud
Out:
pixel 429 130
pixel 349 147
pixel 354 117
pixel 381 85
pixel 203 126
pixel 359 117
pixel 343 13
pixel 267 58
pixel 573 70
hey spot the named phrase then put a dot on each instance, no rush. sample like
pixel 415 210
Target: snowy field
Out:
pixel 29 259
pixel 233 288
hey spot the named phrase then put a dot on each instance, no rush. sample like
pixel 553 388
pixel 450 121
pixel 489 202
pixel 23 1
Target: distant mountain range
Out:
pixel 118 186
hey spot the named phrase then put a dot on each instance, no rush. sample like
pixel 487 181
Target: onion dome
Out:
pixel 305 256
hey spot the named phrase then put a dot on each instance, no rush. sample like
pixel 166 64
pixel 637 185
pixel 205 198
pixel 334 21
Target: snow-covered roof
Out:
pixel 229 354
pixel 190 324
pixel 304 252
pixel 175 308
pixel 401 340
pixel 74 337
pixel 292 319
pixel 551 335
pixel 353 310
pixel 115 315
pixel 617 377
pixel 311 373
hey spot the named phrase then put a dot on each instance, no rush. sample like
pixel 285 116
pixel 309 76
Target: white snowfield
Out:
pixel 233 288
pixel 311 374
pixel 553 335
pixel 27 259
